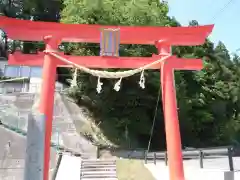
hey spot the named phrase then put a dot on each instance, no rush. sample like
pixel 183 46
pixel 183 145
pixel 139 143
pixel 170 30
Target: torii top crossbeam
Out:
pixel 35 31
pixel 162 37
pixel 26 30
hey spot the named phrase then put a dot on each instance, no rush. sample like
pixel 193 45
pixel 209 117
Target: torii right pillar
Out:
pixel 172 130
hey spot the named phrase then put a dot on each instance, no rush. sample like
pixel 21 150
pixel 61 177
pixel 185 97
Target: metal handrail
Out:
pixel 54 176
pixel 200 153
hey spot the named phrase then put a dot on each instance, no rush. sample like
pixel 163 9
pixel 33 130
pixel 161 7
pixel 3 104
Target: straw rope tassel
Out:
pixel 74 80
pixel 99 85
pixel 118 85
pixel 142 80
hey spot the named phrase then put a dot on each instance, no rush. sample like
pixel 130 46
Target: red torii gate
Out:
pixel 162 37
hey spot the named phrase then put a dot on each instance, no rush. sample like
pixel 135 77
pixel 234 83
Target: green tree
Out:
pixel 131 107
pixel 201 95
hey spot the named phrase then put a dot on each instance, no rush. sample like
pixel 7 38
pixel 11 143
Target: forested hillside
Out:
pixel 208 100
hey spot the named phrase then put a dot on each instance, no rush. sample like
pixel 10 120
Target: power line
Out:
pixel 222 9
pixel 154 118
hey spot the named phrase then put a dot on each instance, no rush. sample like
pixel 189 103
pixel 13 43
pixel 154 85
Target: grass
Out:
pixel 132 170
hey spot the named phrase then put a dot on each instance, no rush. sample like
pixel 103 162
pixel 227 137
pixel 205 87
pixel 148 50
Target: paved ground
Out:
pixel 214 163
pixel 212 167
pixel 70 168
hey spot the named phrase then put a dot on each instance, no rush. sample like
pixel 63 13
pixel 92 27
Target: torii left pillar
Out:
pixel 40 124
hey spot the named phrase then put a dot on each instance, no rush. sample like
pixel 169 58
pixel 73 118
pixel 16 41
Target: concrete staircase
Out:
pixel 98 170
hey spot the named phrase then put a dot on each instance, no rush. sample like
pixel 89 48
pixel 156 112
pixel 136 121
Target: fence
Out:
pixel 226 156
pixel 200 154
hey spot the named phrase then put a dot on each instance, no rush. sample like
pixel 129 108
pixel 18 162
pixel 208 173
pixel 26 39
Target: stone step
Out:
pixel 99 169
pixel 99 178
pixel 94 165
pixel 93 169
pixel 98 162
pixel 99 165
pixel 99 175
pixel 99 172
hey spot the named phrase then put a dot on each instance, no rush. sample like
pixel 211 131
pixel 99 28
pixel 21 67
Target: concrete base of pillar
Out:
pixel 34 160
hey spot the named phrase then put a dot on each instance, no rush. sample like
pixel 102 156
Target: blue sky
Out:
pixel 226 20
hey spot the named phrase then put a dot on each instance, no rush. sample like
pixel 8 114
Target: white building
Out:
pixel 23 79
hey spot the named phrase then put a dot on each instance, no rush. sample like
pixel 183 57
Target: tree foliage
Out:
pixel 201 95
